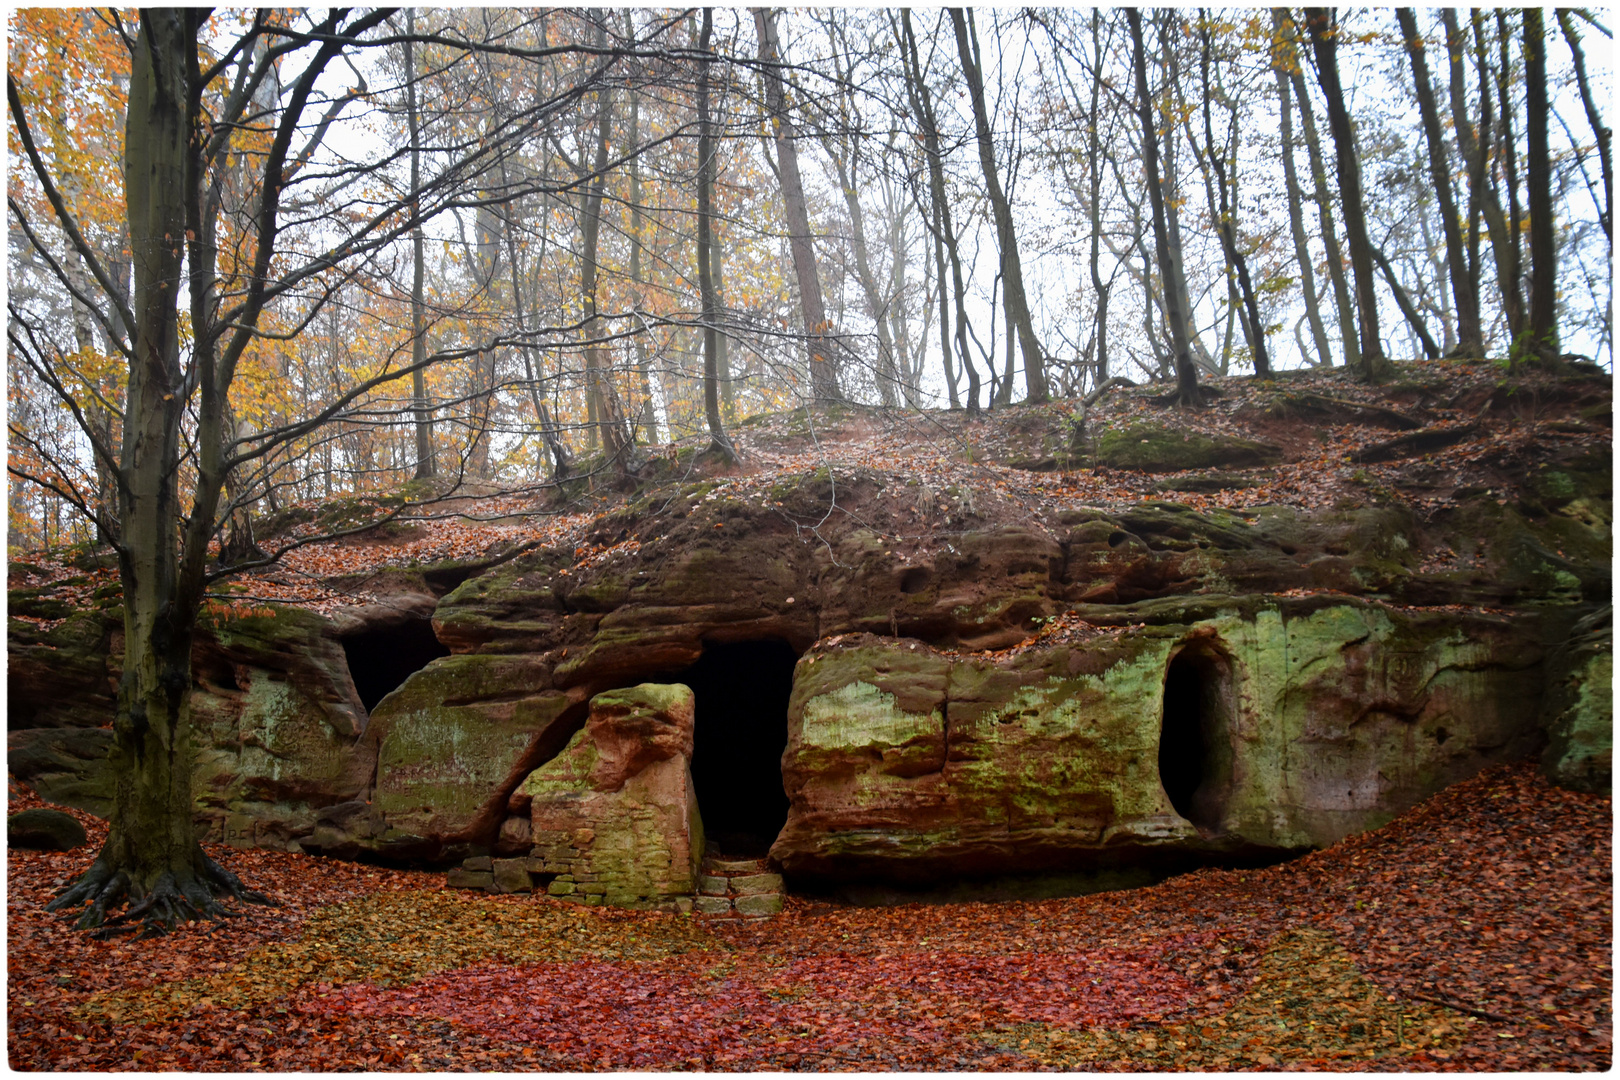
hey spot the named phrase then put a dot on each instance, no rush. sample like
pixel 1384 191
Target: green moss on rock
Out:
pixel 1150 448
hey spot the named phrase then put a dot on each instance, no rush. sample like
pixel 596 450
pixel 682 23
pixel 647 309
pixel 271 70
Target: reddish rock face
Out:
pixel 1332 665
pixel 614 818
pixel 634 729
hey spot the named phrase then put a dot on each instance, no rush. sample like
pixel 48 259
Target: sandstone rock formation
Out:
pixel 43 830
pixel 989 679
pixel 614 818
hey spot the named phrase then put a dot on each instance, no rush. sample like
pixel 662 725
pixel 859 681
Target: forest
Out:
pixel 484 243
pixel 1109 512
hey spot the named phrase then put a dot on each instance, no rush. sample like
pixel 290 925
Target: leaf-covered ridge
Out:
pixel 1472 933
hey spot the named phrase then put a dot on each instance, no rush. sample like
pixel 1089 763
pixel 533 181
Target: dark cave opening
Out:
pixel 381 659
pixel 741 691
pixel 1195 753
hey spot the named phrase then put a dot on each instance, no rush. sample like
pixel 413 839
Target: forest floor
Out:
pixel 1481 433
pixel 1472 933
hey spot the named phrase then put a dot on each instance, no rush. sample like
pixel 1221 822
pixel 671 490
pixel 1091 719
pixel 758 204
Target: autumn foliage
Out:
pixel 1472 933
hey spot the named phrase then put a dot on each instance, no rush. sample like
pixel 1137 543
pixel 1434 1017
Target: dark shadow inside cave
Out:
pixel 1195 751
pixel 739 734
pixel 381 659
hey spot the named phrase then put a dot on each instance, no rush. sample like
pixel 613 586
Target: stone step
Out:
pixel 755 906
pixel 717 865
pixel 737 888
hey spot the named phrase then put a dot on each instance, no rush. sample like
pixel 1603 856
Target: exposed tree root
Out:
pixel 173 899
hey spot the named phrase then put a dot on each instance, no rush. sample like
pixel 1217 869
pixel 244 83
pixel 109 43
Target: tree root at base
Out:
pixel 174 898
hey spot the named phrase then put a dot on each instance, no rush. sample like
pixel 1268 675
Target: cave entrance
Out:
pixel 1195 742
pixel 381 659
pixel 741 691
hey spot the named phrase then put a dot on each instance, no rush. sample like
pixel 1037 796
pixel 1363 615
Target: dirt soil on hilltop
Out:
pixel 1472 933
pixel 1478 434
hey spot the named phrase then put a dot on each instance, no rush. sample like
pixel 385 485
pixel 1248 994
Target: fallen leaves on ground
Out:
pixel 1471 933
pixel 953 470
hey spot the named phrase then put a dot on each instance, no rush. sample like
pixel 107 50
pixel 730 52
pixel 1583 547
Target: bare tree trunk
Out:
pixel 1541 329
pixel 598 385
pixel 1016 302
pixel 424 417
pixel 1324 40
pixel 1511 276
pixel 1254 328
pixel 1168 23
pixel 1472 154
pixel 944 309
pixel 98 410
pixel 728 393
pixel 1600 131
pixel 886 375
pixel 922 104
pixel 1409 311
pixel 1470 340
pixel 908 357
pixel 1324 200
pixel 1188 391
pixel 151 856
pixel 1094 211
pixel 649 411
pixel 1296 216
pixel 1483 199
pixel 711 313
pixel 824 374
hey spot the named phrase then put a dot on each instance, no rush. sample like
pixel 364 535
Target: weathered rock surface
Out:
pixel 44 830
pixel 1299 722
pixel 453 742
pixel 989 683
pixel 614 816
pixel 1579 708
pixel 278 726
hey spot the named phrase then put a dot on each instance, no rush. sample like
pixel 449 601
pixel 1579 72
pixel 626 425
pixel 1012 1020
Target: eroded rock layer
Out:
pixel 987 683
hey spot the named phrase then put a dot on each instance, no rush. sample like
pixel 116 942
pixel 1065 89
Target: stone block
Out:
pixel 327 838
pixel 516 833
pixel 239 831
pixel 593 888
pixel 683 905
pixel 477 862
pixel 470 879
pixel 710 885
pixel 512 875
pixel 560 888
pixel 711 905
pixel 735 866
pixel 44 830
pixel 754 884
pixel 760 904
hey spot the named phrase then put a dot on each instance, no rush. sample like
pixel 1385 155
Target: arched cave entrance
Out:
pixel 739 734
pixel 1195 743
pixel 381 659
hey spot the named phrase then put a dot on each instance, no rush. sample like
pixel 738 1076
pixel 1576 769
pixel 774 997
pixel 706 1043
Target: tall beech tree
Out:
pixel 1015 302
pixel 1324 34
pixel 1541 325
pixel 1285 59
pixel 1470 342
pixel 824 360
pixel 705 239
pixel 189 107
pixel 1225 225
pixel 1188 392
